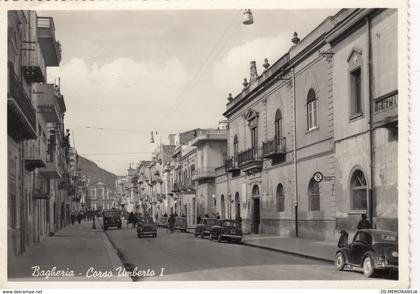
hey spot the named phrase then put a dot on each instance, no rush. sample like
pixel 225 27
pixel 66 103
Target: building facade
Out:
pixel 39 183
pixel 313 140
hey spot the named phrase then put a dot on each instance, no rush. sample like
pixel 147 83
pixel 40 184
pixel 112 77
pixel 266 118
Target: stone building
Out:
pixel 37 145
pixel 313 140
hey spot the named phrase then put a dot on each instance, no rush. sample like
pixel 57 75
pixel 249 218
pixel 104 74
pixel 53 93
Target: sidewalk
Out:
pixel 324 251
pixel 319 250
pixel 75 248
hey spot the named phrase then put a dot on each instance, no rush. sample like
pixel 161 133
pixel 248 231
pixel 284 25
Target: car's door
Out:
pixel 362 243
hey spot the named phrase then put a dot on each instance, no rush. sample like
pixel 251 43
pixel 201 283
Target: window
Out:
pixel 235 147
pixel 314 201
pixel 280 198
pixel 278 127
pixel 254 138
pixel 311 109
pixel 363 237
pixel 359 191
pixel 356 92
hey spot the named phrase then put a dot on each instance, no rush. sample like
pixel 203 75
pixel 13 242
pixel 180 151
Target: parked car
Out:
pixel 203 228
pixel 226 229
pixel 111 218
pixel 180 223
pixel 372 250
pixel 146 226
pixel 163 222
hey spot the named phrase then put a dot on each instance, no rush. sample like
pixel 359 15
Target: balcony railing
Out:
pixel 250 155
pixel 386 110
pixel 40 189
pixel 386 101
pixel 37 156
pixel 21 112
pixel 46 36
pixel 33 63
pixel 274 147
pixel 203 173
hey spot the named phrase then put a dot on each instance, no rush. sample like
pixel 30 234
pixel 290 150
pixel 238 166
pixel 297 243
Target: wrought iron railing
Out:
pixel 274 146
pixel 249 155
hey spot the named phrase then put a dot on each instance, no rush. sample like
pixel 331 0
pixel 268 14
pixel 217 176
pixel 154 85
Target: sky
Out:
pixel 125 74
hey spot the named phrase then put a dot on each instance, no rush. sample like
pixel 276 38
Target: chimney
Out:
pixel 254 74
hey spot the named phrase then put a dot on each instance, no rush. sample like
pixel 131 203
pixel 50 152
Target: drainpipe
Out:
pixel 295 155
pixel 370 191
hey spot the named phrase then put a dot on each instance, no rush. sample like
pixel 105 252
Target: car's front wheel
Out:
pixel 339 261
pixel 368 268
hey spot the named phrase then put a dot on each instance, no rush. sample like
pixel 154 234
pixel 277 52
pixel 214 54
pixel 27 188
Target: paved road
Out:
pixel 184 257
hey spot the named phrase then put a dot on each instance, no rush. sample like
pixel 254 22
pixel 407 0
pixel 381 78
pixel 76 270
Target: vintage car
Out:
pixel 163 222
pixel 372 250
pixel 203 228
pixel 226 229
pixel 146 226
pixel 180 223
pixel 111 218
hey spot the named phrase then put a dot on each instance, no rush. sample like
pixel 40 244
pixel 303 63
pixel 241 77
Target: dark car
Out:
pixel 163 222
pixel 111 218
pixel 203 228
pixel 180 223
pixel 146 226
pixel 372 250
pixel 226 229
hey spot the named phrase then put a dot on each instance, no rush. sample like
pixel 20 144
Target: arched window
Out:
pixel 237 205
pixel 311 110
pixel 235 148
pixel 278 127
pixel 280 198
pixel 359 191
pixel 314 201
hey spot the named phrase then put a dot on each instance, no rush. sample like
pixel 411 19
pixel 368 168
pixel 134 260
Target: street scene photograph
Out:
pixel 237 144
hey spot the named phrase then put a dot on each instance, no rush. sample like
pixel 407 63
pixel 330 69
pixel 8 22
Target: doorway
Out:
pixel 256 209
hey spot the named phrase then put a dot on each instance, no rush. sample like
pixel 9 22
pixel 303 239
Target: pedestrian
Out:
pixel 79 217
pixel 199 219
pixel 364 223
pixel 72 217
pixel 238 219
pixel 171 223
pixel 217 215
pixel 132 219
pixel 344 239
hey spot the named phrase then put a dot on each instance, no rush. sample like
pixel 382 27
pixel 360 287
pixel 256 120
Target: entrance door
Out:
pixel 256 216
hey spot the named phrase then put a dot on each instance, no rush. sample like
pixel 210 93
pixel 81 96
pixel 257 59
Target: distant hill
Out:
pixel 94 172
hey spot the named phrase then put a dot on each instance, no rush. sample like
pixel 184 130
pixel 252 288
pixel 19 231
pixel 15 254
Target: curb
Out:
pixel 330 261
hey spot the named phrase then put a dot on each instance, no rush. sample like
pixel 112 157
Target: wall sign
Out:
pixel 318 177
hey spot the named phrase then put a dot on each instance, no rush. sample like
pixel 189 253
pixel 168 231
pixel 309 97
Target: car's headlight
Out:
pixel 394 254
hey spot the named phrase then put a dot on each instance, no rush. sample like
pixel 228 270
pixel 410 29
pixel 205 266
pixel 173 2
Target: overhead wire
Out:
pixel 204 67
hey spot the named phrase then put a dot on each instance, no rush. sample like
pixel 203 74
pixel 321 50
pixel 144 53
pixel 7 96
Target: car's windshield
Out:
pixel 111 214
pixel 211 222
pixel 146 220
pixel 230 223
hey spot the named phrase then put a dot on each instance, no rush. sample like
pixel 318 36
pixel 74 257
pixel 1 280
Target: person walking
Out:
pixel 79 217
pixel 171 223
pixel 72 216
pixel 239 219
pixel 364 223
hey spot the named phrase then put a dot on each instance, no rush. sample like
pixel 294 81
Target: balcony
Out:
pixel 202 136
pixel 53 169
pixel 40 190
pixel 386 110
pixel 33 62
pixel 50 102
pixel 203 173
pixel 250 161
pixel 21 115
pixel 37 156
pixel 51 49
pixel 231 165
pixel 272 149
